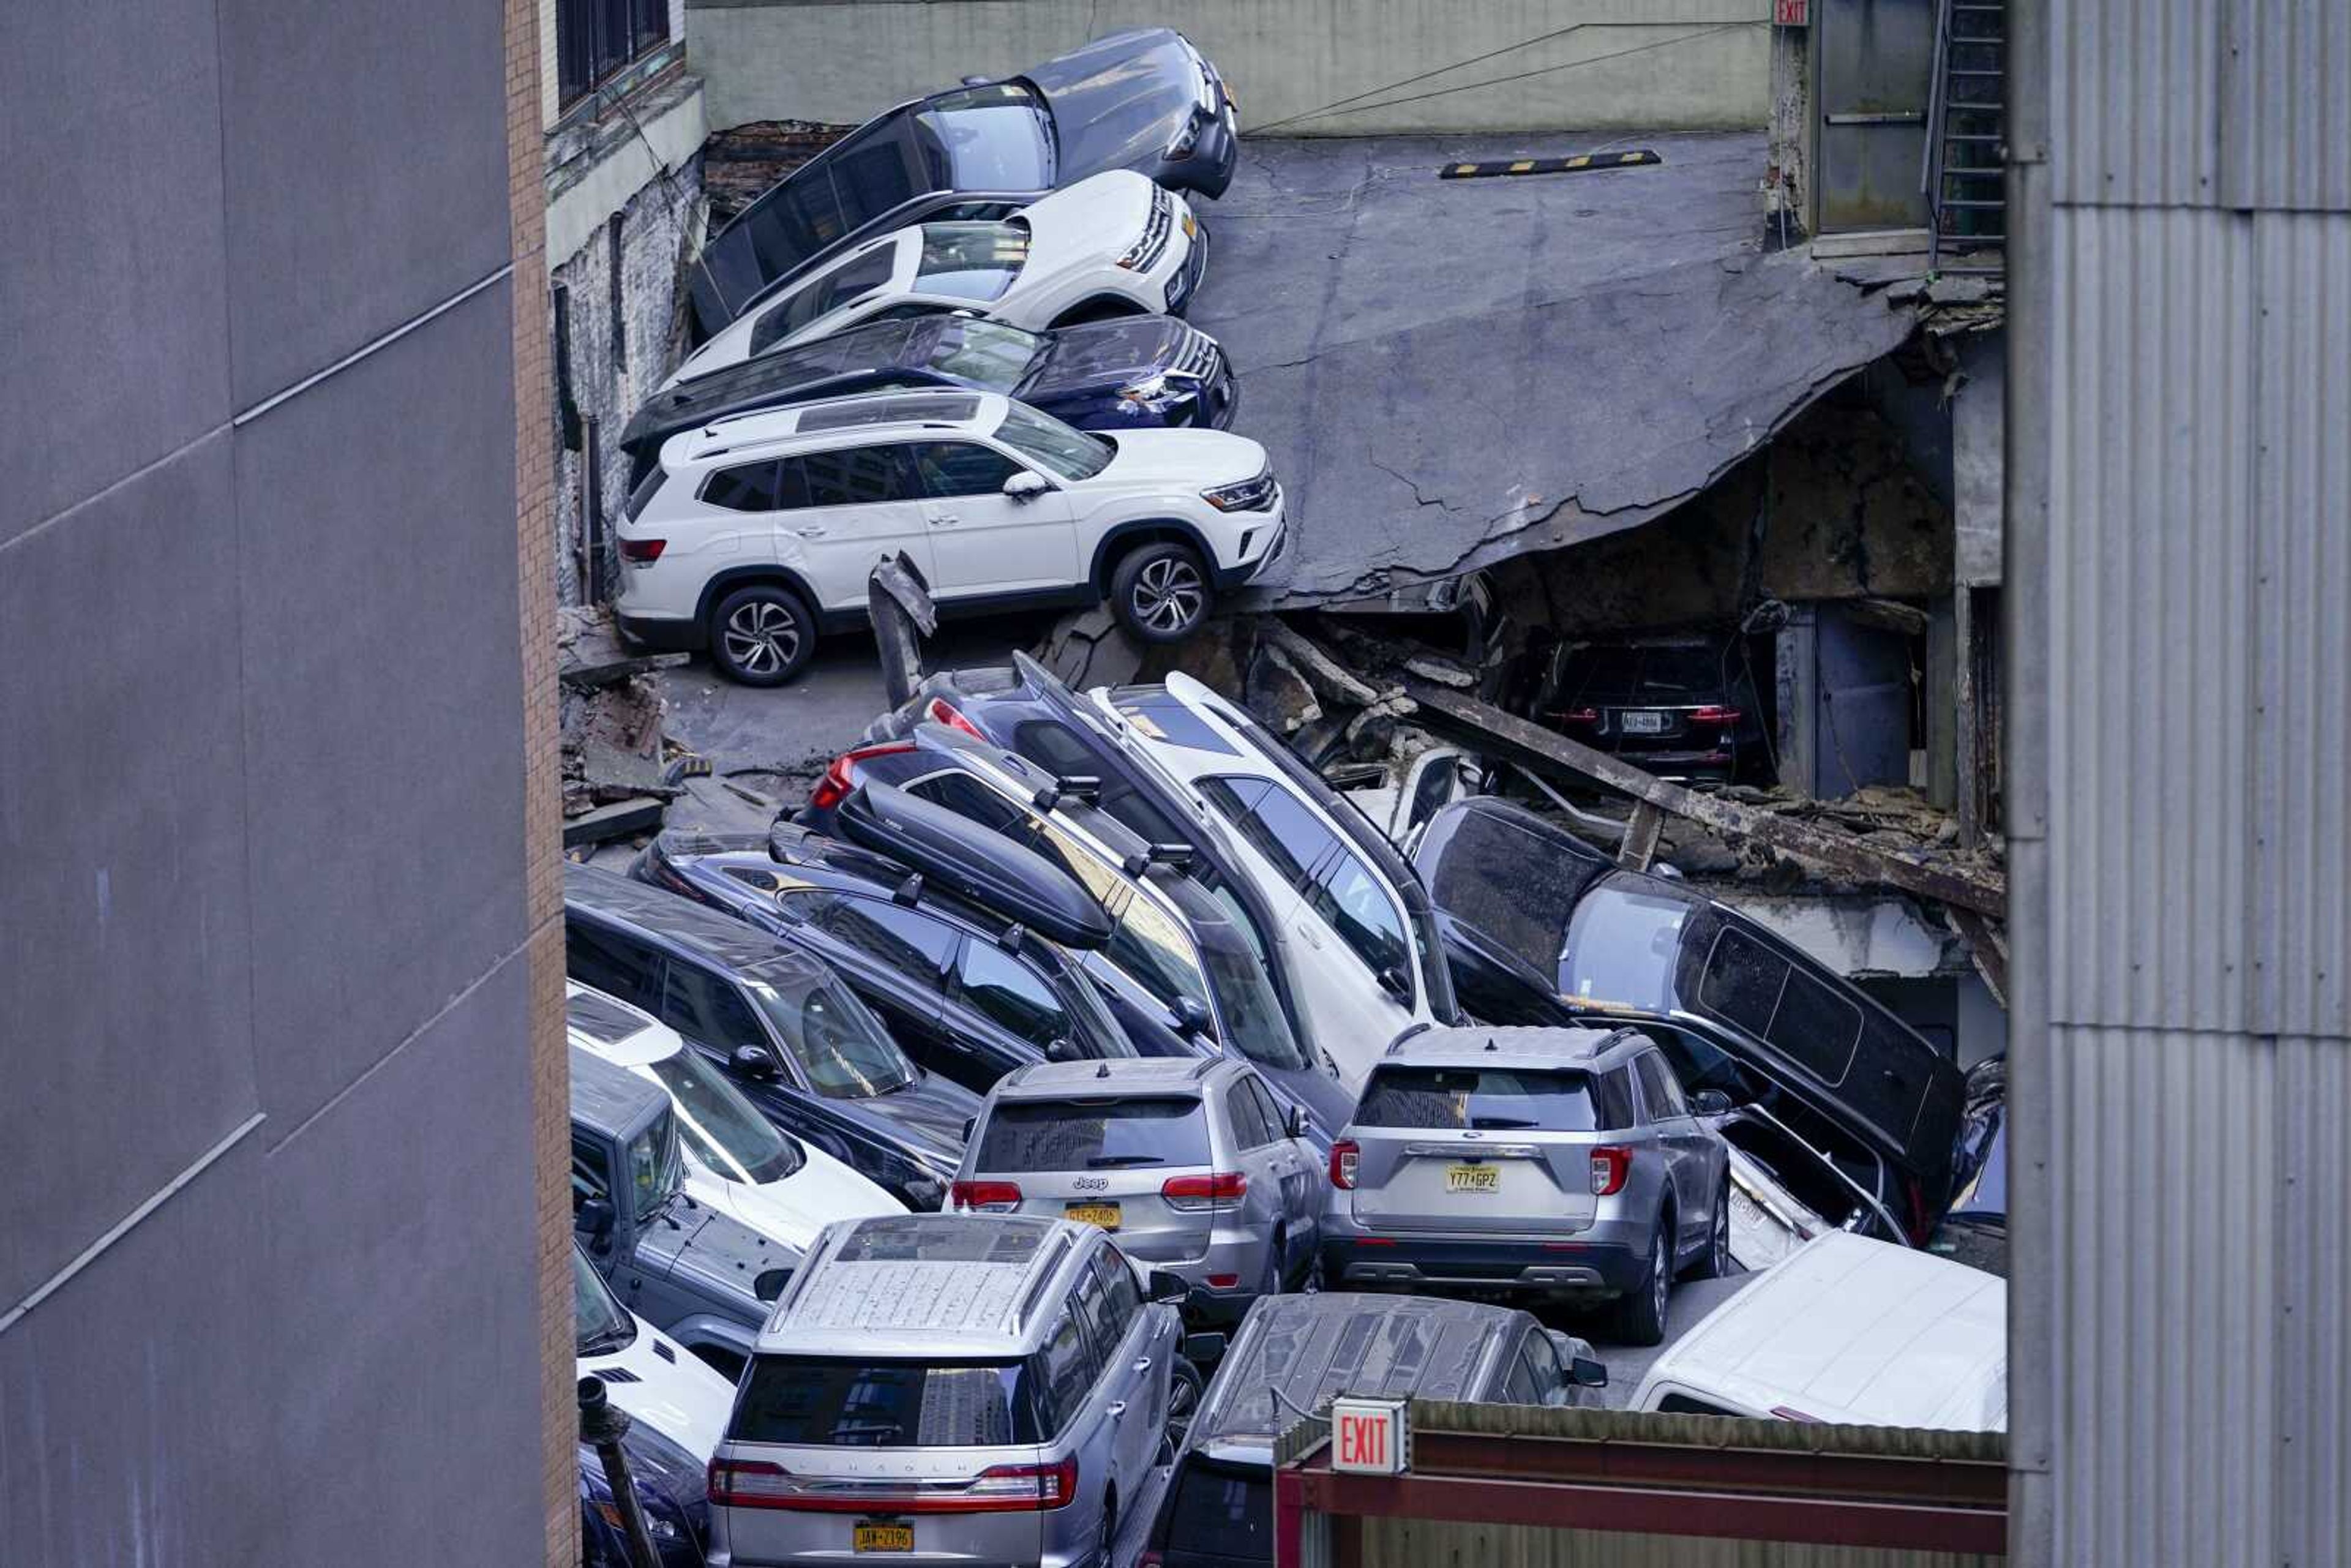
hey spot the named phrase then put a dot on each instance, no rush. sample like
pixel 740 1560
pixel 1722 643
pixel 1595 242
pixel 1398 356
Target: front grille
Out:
pixel 1199 357
pixel 1145 254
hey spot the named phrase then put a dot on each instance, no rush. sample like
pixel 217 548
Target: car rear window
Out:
pixel 1224 1512
pixel 1098 1135
pixel 1500 1099
pixel 869 1403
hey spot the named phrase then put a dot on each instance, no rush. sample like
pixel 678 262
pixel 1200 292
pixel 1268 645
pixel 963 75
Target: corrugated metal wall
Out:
pixel 2180 580
pixel 1426 1544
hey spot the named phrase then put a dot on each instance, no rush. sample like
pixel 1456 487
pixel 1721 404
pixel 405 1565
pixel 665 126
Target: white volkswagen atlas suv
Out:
pixel 757 533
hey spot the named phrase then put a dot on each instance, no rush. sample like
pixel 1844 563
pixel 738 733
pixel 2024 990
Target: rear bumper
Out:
pixel 664 636
pixel 1605 1259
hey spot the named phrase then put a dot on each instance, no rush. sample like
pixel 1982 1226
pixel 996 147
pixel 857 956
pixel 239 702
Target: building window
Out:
pixel 595 39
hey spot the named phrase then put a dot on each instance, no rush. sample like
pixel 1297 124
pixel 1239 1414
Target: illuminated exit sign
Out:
pixel 1789 13
pixel 1370 1436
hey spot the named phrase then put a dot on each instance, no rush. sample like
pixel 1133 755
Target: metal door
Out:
pixel 1872 63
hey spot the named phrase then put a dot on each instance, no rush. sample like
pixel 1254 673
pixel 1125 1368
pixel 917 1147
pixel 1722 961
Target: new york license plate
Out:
pixel 882 1535
pixel 1642 723
pixel 1102 1214
pixel 1473 1178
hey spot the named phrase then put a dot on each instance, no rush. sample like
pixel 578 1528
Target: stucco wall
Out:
pixel 1396 65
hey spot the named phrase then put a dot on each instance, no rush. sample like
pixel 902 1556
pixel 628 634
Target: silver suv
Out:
pixel 1560 1163
pixel 1189 1160
pixel 948 1386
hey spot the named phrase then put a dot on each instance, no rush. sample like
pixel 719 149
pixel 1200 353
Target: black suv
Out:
pixel 1682 707
pixel 1134 372
pixel 970 993
pixel 777 1022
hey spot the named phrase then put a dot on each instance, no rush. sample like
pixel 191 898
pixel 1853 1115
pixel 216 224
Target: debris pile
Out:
pixel 616 778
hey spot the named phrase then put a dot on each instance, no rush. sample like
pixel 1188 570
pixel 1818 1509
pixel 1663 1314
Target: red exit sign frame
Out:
pixel 1791 13
pixel 1370 1436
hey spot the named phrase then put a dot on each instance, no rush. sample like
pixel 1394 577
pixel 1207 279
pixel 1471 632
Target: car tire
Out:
pixel 1270 1283
pixel 1641 1311
pixel 1160 592
pixel 1715 1261
pixel 1184 1386
pixel 1108 1557
pixel 1098 310
pixel 761 634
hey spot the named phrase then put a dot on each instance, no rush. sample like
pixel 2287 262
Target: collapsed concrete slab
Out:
pixel 1451 372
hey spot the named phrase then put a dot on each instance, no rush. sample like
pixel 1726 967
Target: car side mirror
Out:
pixel 1162 1285
pixel 1293 1125
pixel 594 1218
pixel 1189 1016
pixel 1588 1372
pixel 1199 1347
pixel 753 1060
pixel 1064 1048
pixel 1709 1103
pixel 771 1283
pixel 970 1125
pixel 975 81
pixel 1025 485
pixel 1392 982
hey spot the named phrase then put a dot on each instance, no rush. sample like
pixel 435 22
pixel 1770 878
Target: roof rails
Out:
pixel 1048 1264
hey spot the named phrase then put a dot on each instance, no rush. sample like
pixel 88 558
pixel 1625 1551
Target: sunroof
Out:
pixel 948 408
pixel 601 1017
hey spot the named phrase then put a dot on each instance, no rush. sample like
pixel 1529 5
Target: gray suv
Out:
pixel 1190 1161
pixel 976 1388
pixel 1558 1163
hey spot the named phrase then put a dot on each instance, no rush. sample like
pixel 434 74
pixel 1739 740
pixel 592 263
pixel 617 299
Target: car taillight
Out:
pixel 1611 1164
pixel 1197 1192
pixel 988 1197
pixel 999 1489
pixel 834 787
pixel 1581 716
pixel 643 551
pixel 1344 1155
pixel 1714 716
pixel 941 711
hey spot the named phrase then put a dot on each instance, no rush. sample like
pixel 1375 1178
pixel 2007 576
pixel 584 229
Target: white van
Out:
pixel 1847 1329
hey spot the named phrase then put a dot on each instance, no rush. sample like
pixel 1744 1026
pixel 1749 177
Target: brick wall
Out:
pixel 618 345
pixel 527 54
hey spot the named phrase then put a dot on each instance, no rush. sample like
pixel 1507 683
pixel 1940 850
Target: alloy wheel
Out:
pixel 762 637
pixel 1169 594
pixel 1661 1270
pixel 1721 1239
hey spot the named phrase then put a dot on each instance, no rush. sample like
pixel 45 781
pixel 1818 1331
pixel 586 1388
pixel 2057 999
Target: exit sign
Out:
pixel 1369 1437
pixel 1789 13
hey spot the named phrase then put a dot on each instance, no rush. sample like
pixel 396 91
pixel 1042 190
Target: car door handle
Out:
pixel 810 532
pixel 1143 1363
pixel 941 519
pixel 1117 1408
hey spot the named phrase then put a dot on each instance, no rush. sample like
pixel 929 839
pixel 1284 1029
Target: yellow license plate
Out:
pixel 1191 226
pixel 1102 1214
pixel 881 1537
pixel 1473 1178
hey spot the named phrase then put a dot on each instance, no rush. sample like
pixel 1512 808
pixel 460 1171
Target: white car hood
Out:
pixel 1192 459
pixel 794 1209
pixel 1089 225
pixel 661 1383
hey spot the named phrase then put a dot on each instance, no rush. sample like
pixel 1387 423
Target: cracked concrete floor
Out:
pixel 1450 371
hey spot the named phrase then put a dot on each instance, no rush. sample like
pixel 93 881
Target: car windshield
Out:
pixel 971 261
pixel 600 1324
pixel 1621 947
pixel 726 1135
pixel 993 138
pixel 987 353
pixel 1222 1512
pixel 1092 1134
pixel 1678 672
pixel 656 1165
pixel 806 1400
pixel 1485 1098
pixel 839 1044
pixel 1251 1014
pixel 1052 446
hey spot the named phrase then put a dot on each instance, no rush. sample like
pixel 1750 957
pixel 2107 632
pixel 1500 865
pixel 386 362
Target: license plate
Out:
pixel 1473 1178
pixel 876 1536
pixel 1102 1214
pixel 1642 723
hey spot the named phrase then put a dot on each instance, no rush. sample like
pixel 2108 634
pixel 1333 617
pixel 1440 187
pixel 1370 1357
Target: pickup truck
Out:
pixel 702 1277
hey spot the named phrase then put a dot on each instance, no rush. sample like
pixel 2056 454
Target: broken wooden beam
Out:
pixel 1640 831
pixel 621 819
pixel 1986 949
pixel 1530 745
pixel 1328 678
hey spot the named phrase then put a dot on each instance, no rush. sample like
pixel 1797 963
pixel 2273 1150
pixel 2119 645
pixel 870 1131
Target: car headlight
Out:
pixel 1159 388
pixel 1151 244
pixel 1252 495
pixel 1187 140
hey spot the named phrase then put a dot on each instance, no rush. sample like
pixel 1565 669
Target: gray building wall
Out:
pixel 2179 490
pixel 270 1270
pixel 1300 67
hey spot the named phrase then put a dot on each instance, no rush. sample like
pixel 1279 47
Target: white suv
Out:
pixel 1114 245
pixel 1371 966
pixel 755 533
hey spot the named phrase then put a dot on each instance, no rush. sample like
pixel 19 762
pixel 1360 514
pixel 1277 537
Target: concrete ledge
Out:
pixel 603 165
